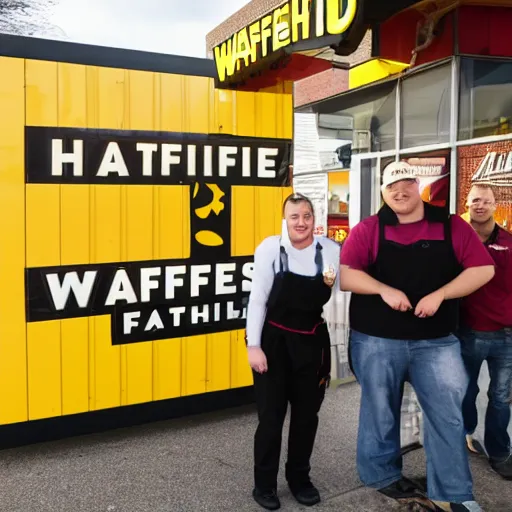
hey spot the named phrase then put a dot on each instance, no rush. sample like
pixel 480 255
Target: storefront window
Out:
pixel 426 107
pixel 485 98
pixel 366 118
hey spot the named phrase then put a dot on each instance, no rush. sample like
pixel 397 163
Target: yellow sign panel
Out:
pixel 294 22
pixel 115 183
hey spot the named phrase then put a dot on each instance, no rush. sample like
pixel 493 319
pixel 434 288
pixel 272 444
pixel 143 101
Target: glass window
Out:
pixel 485 98
pixel 426 107
pixel 366 118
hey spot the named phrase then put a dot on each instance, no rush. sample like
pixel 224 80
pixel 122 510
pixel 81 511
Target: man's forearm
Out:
pixel 468 281
pixel 357 281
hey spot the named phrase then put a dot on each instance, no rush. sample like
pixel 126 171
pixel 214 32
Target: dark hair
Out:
pixel 298 198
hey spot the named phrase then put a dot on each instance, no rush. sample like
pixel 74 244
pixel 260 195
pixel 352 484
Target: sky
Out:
pixel 166 26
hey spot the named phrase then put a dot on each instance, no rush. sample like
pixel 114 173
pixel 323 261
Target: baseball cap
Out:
pixel 397 171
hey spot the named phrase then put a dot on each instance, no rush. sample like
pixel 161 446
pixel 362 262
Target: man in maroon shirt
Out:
pixel 486 334
pixel 407 267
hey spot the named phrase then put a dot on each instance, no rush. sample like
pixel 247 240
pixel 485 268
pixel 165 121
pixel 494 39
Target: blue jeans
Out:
pixel 436 371
pixel 496 348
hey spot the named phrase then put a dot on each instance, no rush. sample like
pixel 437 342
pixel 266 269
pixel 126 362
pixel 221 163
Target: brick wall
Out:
pixel 245 16
pixel 319 86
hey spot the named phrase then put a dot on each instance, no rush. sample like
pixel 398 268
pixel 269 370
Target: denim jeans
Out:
pixel 436 371
pixel 496 348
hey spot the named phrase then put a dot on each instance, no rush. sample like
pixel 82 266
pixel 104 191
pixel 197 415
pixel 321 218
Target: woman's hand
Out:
pixel 257 359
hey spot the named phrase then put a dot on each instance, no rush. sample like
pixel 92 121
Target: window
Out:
pixel 485 107
pixel 366 118
pixel 426 107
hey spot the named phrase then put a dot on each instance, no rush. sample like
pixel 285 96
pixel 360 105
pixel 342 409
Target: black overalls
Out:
pixel 296 343
pixel 417 270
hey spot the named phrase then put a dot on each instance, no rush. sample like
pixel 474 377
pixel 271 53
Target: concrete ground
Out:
pixel 201 463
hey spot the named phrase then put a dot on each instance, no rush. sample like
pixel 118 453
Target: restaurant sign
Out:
pixel 297 25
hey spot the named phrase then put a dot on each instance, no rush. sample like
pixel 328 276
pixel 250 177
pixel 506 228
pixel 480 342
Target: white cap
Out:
pixel 397 171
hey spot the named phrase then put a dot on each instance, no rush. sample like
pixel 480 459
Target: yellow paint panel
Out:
pixel 41 93
pixel 13 344
pixel 243 226
pixel 102 224
pixel 72 101
pixel 198 105
pixel 75 365
pixel 266 108
pixel 75 249
pixel 267 216
pixel 167 369
pixel 44 370
pixel 43 339
pixel 172 222
pixel 245 114
pixel 141 106
pixel 43 248
pixel 110 104
pixel 171 240
pixel 218 373
pixel 172 96
pixel 224 112
pixel 193 365
pixel 137 243
pixel 74 245
pixel 104 359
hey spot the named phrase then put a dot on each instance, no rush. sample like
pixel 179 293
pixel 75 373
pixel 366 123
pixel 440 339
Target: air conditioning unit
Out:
pixel 362 140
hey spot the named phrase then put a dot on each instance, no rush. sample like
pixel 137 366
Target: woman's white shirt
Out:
pixel 266 265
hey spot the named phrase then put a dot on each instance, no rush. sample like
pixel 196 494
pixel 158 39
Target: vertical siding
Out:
pixel 13 343
pixel 71 364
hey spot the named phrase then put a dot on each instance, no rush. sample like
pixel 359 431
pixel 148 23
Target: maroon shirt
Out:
pixel 362 244
pixel 490 307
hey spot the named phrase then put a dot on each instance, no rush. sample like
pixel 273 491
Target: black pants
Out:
pixel 298 368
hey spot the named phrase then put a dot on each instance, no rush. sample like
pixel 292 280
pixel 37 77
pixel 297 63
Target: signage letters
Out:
pixel 293 22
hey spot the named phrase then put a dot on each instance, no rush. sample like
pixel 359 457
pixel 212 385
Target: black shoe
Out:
pixel 410 494
pixel 503 467
pixel 306 494
pixel 266 498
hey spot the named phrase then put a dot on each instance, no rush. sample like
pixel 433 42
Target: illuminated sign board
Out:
pixel 297 25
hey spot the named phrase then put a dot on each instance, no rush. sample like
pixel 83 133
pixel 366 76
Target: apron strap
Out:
pixel 283 259
pixel 319 260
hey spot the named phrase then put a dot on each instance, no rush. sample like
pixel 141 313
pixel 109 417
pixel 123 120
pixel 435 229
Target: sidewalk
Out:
pixel 201 463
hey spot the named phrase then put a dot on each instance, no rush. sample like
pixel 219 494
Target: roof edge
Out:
pixel 103 56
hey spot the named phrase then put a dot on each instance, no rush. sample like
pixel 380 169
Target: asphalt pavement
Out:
pixel 201 463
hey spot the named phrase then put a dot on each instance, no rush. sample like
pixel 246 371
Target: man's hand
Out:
pixel 257 359
pixel 395 299
pixel 429 305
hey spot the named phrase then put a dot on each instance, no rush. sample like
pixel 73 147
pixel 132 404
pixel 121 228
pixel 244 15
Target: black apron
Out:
pixel 417 270
pixel 296 343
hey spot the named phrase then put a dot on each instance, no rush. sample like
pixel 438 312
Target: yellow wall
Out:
pixel 70 366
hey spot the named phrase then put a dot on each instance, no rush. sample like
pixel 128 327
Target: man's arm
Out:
pixel 478 269
pixel 356 255
pixel 358 281
pixel 468 281
pixel 262 280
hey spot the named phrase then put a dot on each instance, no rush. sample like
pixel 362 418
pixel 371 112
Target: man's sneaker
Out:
pixel 467 506
pixel 306 494
pixel 266 498
pixel 410 494
pixel 474 446
pixel 502 467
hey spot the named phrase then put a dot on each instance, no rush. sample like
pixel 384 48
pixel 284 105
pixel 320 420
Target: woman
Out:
pixel 289 348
